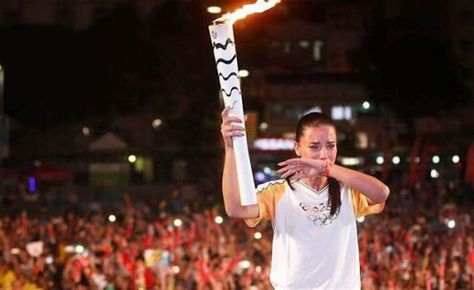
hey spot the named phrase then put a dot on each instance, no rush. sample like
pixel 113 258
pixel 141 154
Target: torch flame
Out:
pixel 258 7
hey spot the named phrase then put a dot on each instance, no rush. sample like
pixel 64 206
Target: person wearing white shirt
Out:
pixel 313 208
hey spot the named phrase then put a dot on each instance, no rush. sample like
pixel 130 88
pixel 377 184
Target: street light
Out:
pixel 455 159
pixel 112 218
pixel 396 160
pixel 214 9
pixel 132 158
pixel 257 235
pixel 366 105
pixel 243 73
pixel 156 123
pixel 434 173
pixel 451 224
pixel 218 220
pixel 379 160
pixel 86 131
pixel 177 223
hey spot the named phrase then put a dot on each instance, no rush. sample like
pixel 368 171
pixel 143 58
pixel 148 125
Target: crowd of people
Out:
pixel 423 240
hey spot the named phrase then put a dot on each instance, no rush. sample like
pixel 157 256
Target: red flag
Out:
pixel 391 285
pixel 471 257
pixel 428 280
pixel 442 270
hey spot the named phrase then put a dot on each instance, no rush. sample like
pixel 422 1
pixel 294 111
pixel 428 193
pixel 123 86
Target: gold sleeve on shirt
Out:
pixel 267 200
pixel 362 205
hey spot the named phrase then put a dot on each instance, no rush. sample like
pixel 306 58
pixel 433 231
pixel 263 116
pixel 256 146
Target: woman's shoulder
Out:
pixel 273 185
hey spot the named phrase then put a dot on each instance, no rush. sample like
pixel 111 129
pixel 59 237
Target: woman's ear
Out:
pixel 297 149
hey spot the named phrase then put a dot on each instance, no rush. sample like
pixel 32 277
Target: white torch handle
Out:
pixel 222 36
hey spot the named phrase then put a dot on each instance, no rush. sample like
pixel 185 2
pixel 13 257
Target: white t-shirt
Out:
pixel 311 250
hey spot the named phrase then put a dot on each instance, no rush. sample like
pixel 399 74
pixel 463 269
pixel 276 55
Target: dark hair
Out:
pixel 315 119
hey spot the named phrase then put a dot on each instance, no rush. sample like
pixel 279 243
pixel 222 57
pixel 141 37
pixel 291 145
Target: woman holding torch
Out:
pixel 313 208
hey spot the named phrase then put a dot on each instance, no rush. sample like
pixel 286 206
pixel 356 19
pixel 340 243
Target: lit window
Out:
pixel 362 140
pixel 317 50
pixel 347 113
pixel 337 113
pixel 304 43
pixel 341 113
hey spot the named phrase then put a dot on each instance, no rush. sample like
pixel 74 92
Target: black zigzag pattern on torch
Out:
pixel 231 90
pixel 229 76
pixel 218 45
pixel 227 61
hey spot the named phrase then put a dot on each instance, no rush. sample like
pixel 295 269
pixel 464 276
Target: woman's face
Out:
pixel 317 142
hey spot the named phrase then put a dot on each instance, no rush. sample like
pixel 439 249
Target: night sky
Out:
pixel 124 64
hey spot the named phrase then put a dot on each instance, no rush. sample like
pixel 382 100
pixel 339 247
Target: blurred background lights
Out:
pixel 396 160
pixel 79 249
pixel 366 105
pixel 31 184
pixel 132 158
pixel 177 223
pixel 350 161
pixel 455 159
pixel 259 176
pixel 69 249
pixel 361 219
pixel 49 260
pixel 219 220
pixel 244 264
pixel 112 218
pixel 451 224
pixel 175 269
pixel 257 235
pixel 379 160
pixel 86 131
pixel 243 73
pixel 435 159
pixel 214 9
pixel 156 123
pixel 434 173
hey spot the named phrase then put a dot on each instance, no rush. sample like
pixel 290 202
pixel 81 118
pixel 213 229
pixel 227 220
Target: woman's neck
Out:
pixel 317 183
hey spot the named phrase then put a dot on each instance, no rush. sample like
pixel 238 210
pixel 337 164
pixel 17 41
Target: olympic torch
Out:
pixel 223 43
